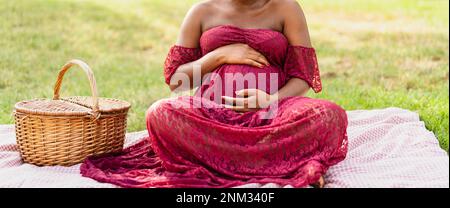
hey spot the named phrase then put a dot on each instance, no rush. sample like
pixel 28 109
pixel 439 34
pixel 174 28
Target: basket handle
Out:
pixel 90 76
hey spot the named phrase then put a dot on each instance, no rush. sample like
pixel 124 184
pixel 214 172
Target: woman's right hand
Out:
pixel 240 53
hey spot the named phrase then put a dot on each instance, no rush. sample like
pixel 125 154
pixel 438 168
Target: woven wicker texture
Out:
pixel 64 131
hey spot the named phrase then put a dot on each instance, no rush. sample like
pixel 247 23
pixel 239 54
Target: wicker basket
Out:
pixel 64 131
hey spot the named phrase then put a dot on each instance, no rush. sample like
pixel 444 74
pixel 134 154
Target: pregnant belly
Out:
pixel 228 79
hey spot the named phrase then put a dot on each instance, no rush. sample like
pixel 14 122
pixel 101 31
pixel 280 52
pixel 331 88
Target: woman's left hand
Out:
pixel 249 100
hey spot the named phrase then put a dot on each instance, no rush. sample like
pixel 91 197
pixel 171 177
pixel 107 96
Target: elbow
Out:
pixel 173 87
pixel 179 87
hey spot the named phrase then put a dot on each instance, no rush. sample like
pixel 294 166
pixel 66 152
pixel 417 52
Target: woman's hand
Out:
pixel 241 54
pixel 249 100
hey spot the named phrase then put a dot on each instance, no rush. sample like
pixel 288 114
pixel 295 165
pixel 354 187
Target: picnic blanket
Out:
pixel 388 148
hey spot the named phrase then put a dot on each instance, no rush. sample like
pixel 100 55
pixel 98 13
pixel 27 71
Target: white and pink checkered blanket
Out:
pixel 387 148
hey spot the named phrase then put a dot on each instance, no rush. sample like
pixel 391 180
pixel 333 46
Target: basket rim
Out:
pixel 17 108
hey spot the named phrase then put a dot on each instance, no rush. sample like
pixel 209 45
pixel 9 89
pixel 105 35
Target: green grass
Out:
pixel 372 53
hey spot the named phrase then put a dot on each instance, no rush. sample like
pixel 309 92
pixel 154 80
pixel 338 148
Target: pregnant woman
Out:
pixel 248 121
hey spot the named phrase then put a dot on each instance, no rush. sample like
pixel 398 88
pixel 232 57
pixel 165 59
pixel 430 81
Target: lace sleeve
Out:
pixel 177 56
pixel 301 62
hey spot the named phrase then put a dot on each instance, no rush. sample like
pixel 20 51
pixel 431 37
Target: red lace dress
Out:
pixel 211 146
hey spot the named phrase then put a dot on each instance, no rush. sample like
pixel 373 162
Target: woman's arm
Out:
pixel 190 32
pixel 229 54
pixel 296 31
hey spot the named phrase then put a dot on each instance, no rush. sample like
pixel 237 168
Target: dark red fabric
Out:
pixel 301 62
pixel 212 146
pixel 179 55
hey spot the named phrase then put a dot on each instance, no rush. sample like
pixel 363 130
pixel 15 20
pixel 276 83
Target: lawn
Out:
pixel 372 53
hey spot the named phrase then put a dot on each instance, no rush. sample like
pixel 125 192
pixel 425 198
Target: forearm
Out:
pixel 206 64
pixel 294 87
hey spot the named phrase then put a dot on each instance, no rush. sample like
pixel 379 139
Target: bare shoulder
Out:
pixel 288 7
pixel 190 30
pixel 295 26
pixel 201 9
